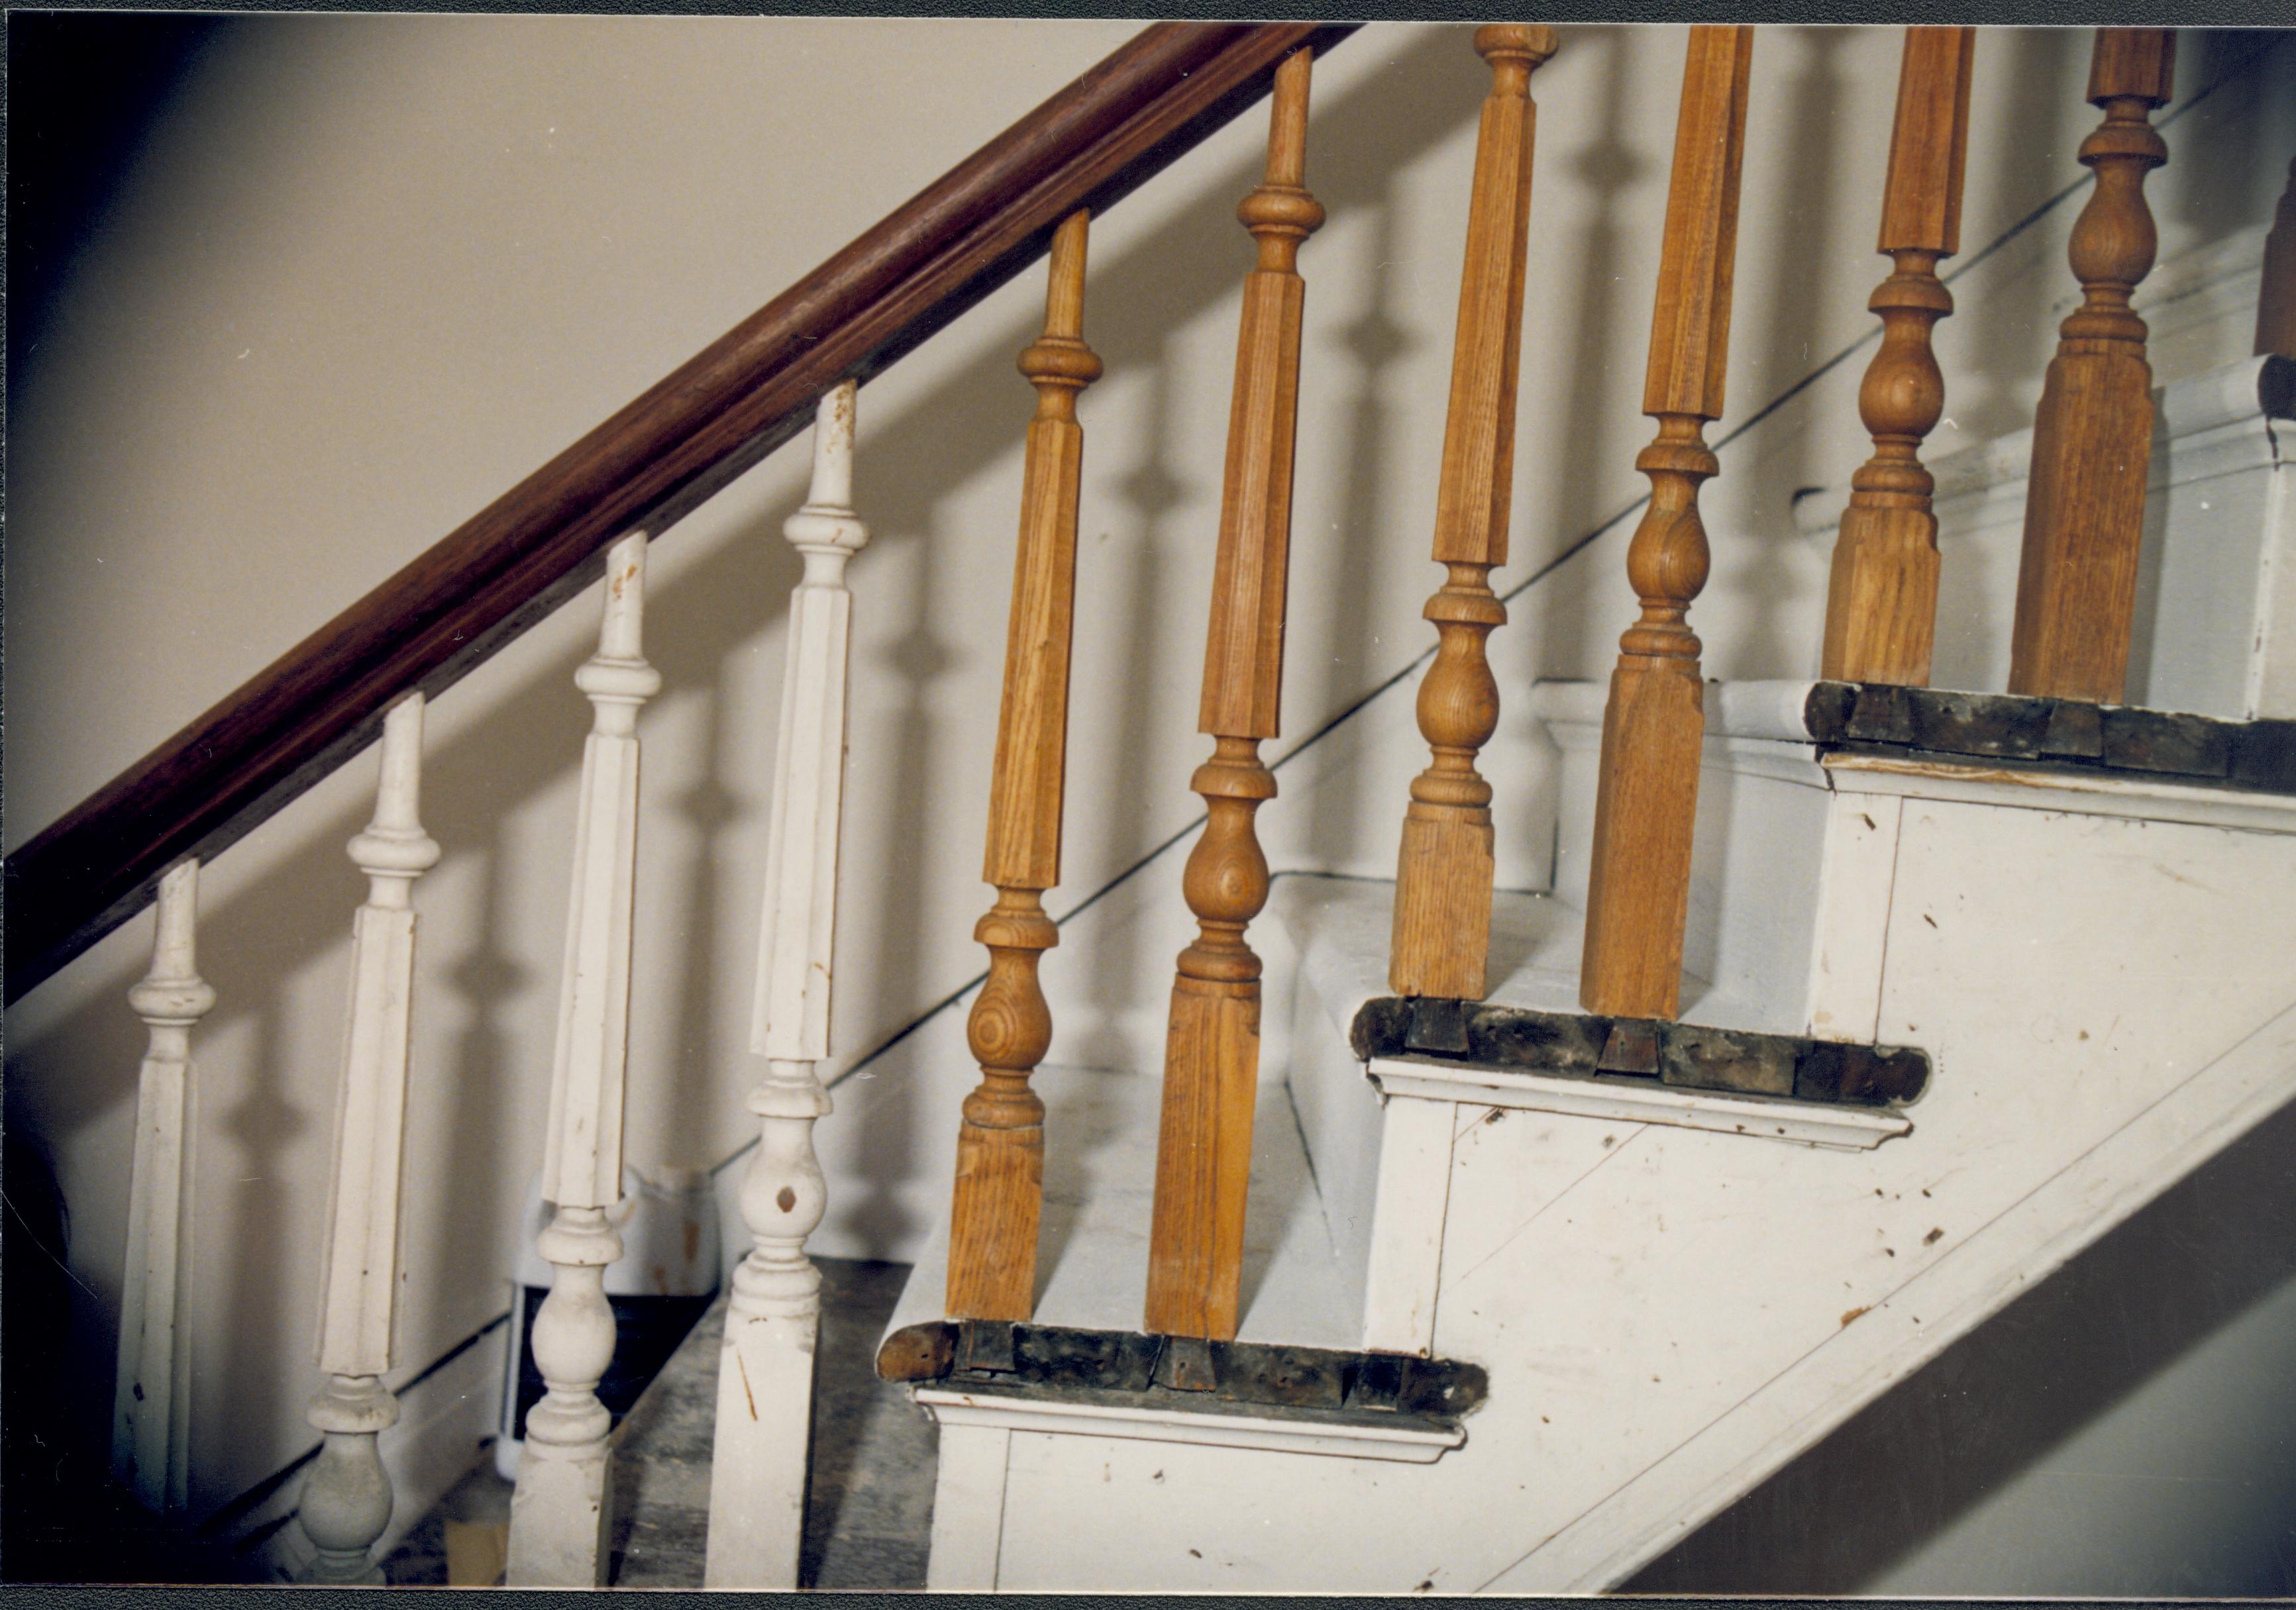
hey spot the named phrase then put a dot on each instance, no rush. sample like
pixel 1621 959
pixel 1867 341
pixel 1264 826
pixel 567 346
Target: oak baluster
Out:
pixel 1653 728
pixel 1203 1153
pixel 1000 1143
pixel 764 1368
pixel 151 1396
pixel 347 1497
pixel 1444 869
pixel 1880 606
pixel 2275 301
pixel 559 1514
pixel 2093 432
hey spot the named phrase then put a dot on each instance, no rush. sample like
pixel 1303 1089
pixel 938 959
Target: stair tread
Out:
pixel 1100 1170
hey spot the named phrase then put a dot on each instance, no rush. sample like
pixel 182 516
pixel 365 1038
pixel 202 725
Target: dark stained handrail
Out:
pixel 1121 122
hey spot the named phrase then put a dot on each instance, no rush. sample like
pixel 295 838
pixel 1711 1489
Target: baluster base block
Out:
pixel 758 1467
pixel 561 1517
pixel 1203 1160
pixel 999 1199
pixel 1443 873
pixel 1881 606
pixel 1645 808
pixel 2084 526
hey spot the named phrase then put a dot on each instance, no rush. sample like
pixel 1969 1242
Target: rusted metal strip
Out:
pixel 1687 1056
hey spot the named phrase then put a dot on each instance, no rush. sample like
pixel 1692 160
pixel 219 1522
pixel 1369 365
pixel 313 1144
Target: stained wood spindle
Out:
pixel 2093 432
pixel 1211 1059
pixel 560 1514
pixel 347 1497
pixel 1000 1143
pixel 772 1320
pixel 150 1415
pixel 2275 301
pixel 1880 606
pixel 1444 870
pixel 1654 725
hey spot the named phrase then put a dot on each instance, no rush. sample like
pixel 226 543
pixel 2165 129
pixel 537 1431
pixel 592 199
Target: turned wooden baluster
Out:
pixel 150 1415
pixel 347 1497
pixel 1444 870
pixel 773 1319
pixel 2093 432
pixel 559 1514
pixel 1000 1144
pixel 1211 1059
pixel 2275 301
pixel 1654 726
pixel 1880 609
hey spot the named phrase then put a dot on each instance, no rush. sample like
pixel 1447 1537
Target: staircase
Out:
pixel 1722 1051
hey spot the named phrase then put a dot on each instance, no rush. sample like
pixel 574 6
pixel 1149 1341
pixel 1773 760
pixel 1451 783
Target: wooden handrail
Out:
pixel 1091 143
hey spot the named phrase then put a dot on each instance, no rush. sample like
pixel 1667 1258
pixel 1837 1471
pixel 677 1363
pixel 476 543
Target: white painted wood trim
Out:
pixel 560 1522
pixel 968 1523
pixel 1405 1444
pixel 151 1402
pixel 347 1497
pixel 1856 880
pixel 1406 1236
pixel 765 1371
pixel 1641 1102
pixel 2094 794
pixel 2015 1251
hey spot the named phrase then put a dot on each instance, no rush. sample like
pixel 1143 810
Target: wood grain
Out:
pixel 988 217
pixel 2276 301
pixel 1880 606
pixel 1000 1142
pixel 1654 725
pixel 1444 867
pixel 1211 1059
pixel 2093 432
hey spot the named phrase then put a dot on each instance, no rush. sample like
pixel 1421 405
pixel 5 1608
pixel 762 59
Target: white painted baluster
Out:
pixel 765 1373
pixel 559 1517
pixel 347 1497
pixel 150 1400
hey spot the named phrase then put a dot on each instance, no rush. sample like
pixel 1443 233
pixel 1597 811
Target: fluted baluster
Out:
pixel 1000 1144
pixel 765 1371
pixel 2093 432
pixel 561 1514
pixel 1654 726
pixel 1211 1059
pixel 151 1397
pixel 347 1497
pixel 2276 301
pixel 1444 870
pixel 1880 609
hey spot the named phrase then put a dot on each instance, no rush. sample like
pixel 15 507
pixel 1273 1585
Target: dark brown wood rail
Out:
pixel 993 214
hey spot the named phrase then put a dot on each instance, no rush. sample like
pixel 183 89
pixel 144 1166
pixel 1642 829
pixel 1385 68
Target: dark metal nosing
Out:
pixel 1052 1358
pixel 1787 1066
pixel 2052 733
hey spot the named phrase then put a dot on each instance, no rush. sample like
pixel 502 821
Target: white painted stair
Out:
pixel 2101 965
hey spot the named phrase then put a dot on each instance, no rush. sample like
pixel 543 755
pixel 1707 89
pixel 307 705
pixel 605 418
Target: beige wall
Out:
pixel 370 271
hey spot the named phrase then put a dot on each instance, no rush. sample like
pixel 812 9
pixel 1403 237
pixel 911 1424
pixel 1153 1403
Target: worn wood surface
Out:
pixel 2276 301
pixel 559 1513
pixel 1881 606
pixel 936 255
pixel 150 1415
pixel 1211 1060
pixel 1000 1140
pixel 764 1368
pixel 1444 867
pixel 1647 798
pixel 345 1500
pixel 2093 432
